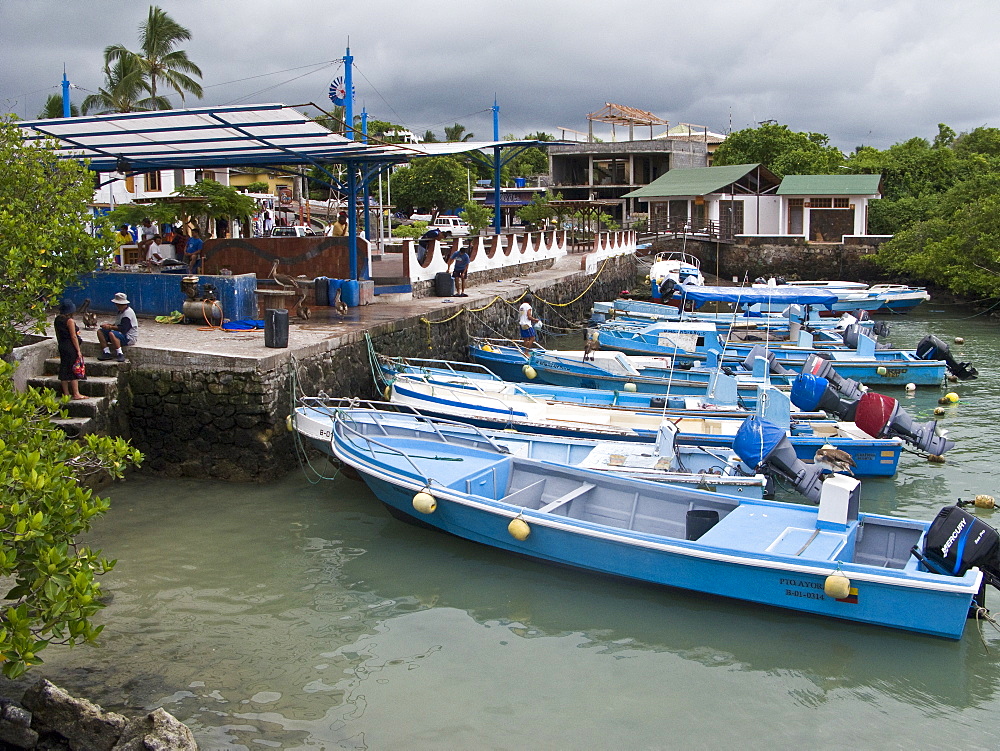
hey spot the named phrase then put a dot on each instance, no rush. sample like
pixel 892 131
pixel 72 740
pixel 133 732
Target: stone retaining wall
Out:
pixel 225 418
pixel 792 258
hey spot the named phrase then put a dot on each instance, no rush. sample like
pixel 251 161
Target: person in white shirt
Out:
pixel 527 323
pixel 154 256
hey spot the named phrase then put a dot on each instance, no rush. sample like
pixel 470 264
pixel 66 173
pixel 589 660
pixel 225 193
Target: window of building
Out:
pixel 200 175
pixel 153 182
pixel 841 203
pixel 820 203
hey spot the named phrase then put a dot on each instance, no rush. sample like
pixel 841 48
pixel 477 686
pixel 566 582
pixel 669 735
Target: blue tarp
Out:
pixel 753 295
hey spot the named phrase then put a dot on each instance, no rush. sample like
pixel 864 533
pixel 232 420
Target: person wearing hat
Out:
pixel 340 226
pixel 124 332
pixel 68 338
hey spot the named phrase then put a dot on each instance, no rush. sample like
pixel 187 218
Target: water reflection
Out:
pixel 302 616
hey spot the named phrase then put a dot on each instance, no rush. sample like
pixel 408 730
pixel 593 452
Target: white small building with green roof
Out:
pixel 749 200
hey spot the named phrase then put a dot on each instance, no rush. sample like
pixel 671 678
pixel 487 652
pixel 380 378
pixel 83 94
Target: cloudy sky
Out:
pixel 862 72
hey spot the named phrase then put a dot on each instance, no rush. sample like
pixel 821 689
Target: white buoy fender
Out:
pixel 911 387
pixel 959 340
pixel 424 503
pixel 881 370
pixel 630 387
pixel 519 528
pixel 529 372
pixel 837 586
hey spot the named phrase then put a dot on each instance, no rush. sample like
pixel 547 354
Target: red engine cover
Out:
pixel 874 412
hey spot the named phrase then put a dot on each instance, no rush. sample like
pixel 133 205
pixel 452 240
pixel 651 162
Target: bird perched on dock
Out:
pixel 339 305
pixel 834 459
pixel 590 347
pixel 283 280
pixel 302 310
pixel 89 317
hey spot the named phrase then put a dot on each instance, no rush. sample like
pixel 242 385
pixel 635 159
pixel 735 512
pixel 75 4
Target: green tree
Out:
pixel 477 215
pixel 125 90
pixel 44 505
pixel 781 150
pixel 540 210
pixel 457 132
pixel 429 182
pixel 430 137
pixel 53 108
pixel 159 35
pixel 257 187
pixel 210 200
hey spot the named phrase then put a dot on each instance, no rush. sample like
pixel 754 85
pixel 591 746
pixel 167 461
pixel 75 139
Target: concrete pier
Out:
pixel 203 402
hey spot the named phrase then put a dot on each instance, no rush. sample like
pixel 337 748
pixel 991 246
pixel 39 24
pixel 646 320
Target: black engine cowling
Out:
pixel 932 348
pixel 957 541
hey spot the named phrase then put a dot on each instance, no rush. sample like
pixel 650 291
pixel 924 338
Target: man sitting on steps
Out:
pixel 124 332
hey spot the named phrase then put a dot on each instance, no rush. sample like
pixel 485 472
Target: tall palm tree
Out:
pixel 125 90
pixel 457 132
pixel 54 108
pixel 430 137
pixel 158 37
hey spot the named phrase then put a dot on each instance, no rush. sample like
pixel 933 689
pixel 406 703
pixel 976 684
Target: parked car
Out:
pixel 451 226
pixel 297 230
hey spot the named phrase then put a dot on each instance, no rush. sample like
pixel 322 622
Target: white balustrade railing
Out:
pixel 511 250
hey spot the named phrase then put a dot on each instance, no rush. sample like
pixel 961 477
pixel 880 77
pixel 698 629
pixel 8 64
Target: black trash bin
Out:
pixel 699 521
pixel 275 328
pixel 444 285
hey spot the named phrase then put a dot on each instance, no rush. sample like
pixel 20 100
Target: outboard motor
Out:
pixel 882 417
pixel 851 334
pixel 759 350
pixel 878 415
pixel 764 446
pixel 932 348
pixel 956 541
pixel 822 367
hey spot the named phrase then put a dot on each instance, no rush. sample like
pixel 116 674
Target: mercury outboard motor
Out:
pixel 853 333
pixel 878 415
pixel 932 348
pixel 956 541
pixel 822 367
pixel 765 447
pixel 759 350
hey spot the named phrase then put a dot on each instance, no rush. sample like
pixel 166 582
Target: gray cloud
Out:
pixel 860 72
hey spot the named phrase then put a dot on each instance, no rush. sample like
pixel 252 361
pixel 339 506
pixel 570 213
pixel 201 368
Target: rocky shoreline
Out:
pixel 49 719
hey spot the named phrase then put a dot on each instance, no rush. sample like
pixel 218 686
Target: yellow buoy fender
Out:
pixel 387 393
pixel 630 387
pixel 881 370
pixel 489 348
pixel 985 501
pixel 935 458
pixel 424 503
pixel 519 528
pixel 529 372
pixel 837 586
pixel 289 424
pixel 952 397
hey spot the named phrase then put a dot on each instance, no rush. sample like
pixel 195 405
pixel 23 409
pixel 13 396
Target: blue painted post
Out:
pixel 352 216
pixel 349 94
pixel 497 219
pixel 365 198
pixel 65 94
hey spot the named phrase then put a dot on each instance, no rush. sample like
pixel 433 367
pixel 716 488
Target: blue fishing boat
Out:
pixel 500 406
pixel 829 560
pixel 662 461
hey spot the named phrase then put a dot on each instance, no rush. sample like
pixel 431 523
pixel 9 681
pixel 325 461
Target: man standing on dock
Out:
pixel 527 322
pixel 461 260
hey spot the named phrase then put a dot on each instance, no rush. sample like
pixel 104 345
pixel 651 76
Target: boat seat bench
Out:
pixel 564 499
pixel 765 529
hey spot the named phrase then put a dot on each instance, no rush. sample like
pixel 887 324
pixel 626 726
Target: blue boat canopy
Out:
pixel 753 295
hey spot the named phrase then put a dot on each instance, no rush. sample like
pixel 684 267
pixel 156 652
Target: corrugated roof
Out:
pixel 699 181
pixel 830 185
pixel 258 135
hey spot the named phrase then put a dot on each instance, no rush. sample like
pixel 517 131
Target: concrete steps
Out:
pixel 101 389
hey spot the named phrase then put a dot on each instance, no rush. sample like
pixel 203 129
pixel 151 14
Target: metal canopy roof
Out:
pixel 830 185
pixel 699 181
pixel 257 135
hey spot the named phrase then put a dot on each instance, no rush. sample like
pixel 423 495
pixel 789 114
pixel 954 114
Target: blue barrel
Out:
pixel 322 290
pixel 350 293
pixel 333 286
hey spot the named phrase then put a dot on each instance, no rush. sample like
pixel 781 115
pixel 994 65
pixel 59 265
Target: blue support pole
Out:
pixel 365 197
pixel 349 94
pixel 65 94
pixel 497 219
pixel 352 217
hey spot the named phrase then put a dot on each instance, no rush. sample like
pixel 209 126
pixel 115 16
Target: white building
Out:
pixel 118 188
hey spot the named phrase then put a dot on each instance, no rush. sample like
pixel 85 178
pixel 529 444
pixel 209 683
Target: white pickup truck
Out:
pixel 451 226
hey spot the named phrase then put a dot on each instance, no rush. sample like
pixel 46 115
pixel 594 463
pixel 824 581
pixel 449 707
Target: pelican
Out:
pixel 339 305
pixel 834 459
pixel 89 317
pixel 283 280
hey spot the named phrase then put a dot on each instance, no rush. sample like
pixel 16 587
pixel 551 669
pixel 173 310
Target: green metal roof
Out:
pixel 829 185
pixel 698 181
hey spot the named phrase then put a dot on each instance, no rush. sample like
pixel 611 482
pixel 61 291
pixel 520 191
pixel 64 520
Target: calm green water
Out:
pixel 303 616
